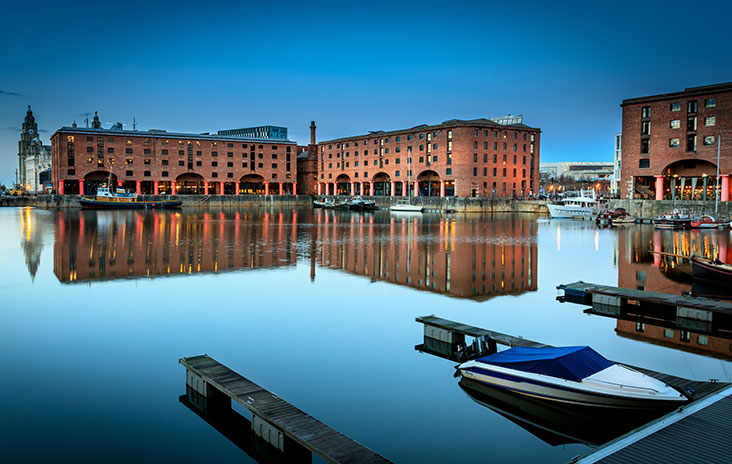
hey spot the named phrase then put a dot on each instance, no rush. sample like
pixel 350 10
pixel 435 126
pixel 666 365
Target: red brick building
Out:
pixel 670 144
pixel 160 162
pixel 478 157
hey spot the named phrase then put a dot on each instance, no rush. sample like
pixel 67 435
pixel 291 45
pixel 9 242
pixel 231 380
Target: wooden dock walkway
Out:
pixel 272 417
pixel 685 306
pixel 699 432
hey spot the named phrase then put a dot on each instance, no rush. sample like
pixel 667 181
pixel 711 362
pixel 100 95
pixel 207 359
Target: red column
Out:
pixel 155 188
pixel 659 188
pixel 724 194
pixel 60 187
pixel 282 190
pixel 360 190
pixel 172 188
pixel 416 189
pixel 221 186
pixel 442 188
pixel 294 188
pixel 266 188
pixel 353 188
pixel 138 187
pixel 393 190
pixel 405 188
pixel 320 188
pixel 119 184
pixel 236 189
pixel 81 186
pixel 205 187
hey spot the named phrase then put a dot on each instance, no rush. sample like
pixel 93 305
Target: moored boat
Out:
pixel 573 375
pixel 120 199
pixel 715 271
pixel 359 204
pixel 405 207
pixel 709 222
pixel 574 206
pixel 677 219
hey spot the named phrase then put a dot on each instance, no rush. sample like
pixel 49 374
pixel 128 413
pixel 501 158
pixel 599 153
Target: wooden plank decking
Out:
pixel 645 297
pixel 314 435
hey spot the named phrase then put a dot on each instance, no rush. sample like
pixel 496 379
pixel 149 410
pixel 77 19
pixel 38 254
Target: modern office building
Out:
pixel 577 171
pixel 160 162
pixel 478 157
pixel 671 142
pixel 260 132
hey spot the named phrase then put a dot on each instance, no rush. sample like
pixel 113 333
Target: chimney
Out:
pixel 312 132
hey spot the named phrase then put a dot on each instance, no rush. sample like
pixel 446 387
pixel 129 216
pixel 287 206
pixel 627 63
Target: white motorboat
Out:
pixel 405 207
pixel 570 207
pixel 573 375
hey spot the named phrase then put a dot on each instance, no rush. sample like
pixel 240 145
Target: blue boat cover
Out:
pixel 569 362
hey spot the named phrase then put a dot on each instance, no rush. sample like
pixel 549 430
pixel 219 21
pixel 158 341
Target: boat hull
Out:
pixel 406 208
pixel 706 270
pixel 106 204
pixel 568 212
pixel 565 393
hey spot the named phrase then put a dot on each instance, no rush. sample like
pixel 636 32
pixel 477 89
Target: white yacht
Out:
pixel 569 207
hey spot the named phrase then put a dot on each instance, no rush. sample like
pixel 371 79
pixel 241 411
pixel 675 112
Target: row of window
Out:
pixel 691 143
pixel 100 140
pixel 691 107
pixel 422 136
pixel 495 172
pixel 397 173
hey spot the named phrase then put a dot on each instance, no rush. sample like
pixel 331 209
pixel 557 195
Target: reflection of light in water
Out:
pixel 28 224
pixel 597 240
pixel 559 238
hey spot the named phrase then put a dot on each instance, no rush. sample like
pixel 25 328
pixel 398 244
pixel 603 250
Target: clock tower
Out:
pixel 25 145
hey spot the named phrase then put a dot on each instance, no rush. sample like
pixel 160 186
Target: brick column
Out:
pixel 205 187
pixel 221 186
pixel 282 192
pixel 659 188
pixel 405 188
pixel 320 188
pixel 294 188
pixel 724 194
pixel 81 186
pixel 155 188
pixel 416 189
pixel 353 188
pixel 60 187
pixel 393 190
pixel 360 188
pixel 236 188
pixel 138 187
pixel 266 188
pixel 172 187
pixel 442 188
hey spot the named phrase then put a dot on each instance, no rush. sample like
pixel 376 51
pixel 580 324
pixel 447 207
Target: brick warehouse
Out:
pixel 477 157
pixel 670 144
pixel 160 162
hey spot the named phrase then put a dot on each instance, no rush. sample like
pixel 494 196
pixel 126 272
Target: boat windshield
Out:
pixel 570 362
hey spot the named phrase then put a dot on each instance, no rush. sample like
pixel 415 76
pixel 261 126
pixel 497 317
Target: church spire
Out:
pixel 95 123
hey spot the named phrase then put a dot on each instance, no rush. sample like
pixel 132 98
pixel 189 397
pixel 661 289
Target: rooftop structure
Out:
pixel 260 132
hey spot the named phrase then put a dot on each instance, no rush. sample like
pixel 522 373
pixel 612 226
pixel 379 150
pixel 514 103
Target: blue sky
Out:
pixel 352 67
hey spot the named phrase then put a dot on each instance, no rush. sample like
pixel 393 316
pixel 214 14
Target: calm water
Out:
pixel 317 306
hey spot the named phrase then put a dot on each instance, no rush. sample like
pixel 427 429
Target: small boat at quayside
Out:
pixel 573 375
pixel 707 269
pixel 709 222
pixel 570 207
pixel 673 220
pixel 404 206
pixel 120 199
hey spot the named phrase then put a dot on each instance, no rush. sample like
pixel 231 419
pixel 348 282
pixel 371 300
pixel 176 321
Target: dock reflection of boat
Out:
pixel 557 424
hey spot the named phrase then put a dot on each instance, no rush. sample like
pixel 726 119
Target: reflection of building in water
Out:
pixel 31 227
pixel 100 245
pixel 474 259
pixel 648 260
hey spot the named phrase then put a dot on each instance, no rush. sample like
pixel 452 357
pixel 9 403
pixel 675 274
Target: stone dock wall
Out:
pixel 640 208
